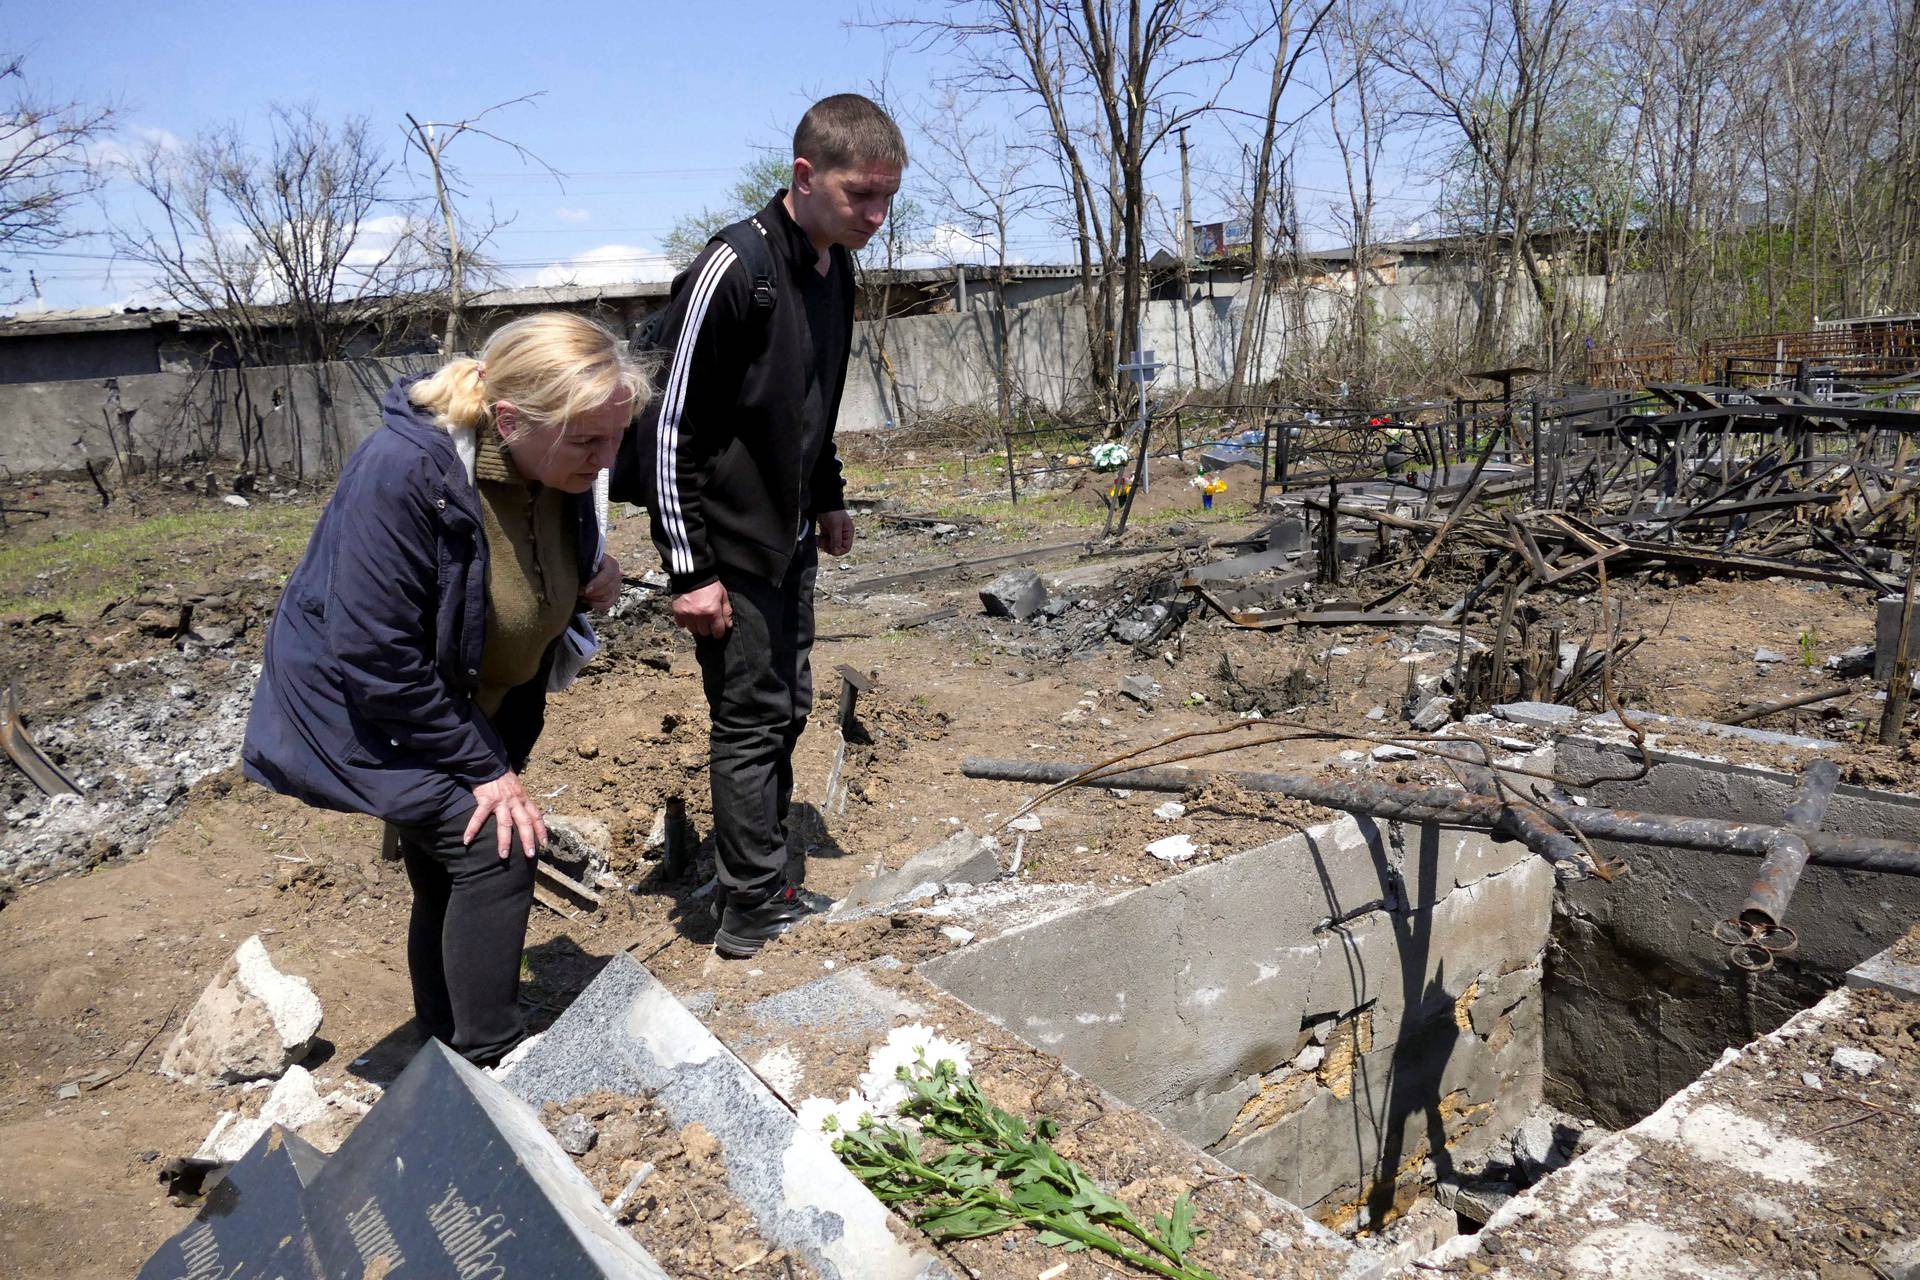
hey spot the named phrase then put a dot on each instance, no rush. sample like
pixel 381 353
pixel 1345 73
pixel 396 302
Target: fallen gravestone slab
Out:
pixel 252 1222
pixel 451 1175
pixel 252 1021
pixel 626 1033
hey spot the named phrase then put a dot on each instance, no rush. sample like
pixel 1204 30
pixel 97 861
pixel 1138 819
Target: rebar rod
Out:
pixel 1452 807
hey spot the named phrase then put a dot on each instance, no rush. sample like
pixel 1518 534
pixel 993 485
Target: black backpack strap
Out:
pixel 748 240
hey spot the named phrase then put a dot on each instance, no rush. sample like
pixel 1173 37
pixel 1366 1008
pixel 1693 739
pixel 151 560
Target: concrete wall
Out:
pixel 947 361
pixel 932 364
pixel 1318 1012
pixel 314 415
pixel 1640 998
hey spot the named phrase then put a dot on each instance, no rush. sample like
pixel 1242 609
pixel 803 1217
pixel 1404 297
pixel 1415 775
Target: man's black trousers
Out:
pixel 759 688
pixel 468 930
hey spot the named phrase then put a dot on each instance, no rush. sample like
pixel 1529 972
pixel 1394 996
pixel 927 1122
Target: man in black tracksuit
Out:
pixel 744 482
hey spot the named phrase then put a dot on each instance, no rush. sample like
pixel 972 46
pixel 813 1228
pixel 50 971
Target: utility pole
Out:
pixel 1186 262
pixel 430 143
pixel 1186 201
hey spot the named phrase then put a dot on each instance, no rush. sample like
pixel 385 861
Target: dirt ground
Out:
pixel 112 924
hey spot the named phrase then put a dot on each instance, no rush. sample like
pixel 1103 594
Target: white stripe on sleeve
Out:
pixel 667 444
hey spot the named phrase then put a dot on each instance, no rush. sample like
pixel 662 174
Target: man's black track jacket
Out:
pixel 717 455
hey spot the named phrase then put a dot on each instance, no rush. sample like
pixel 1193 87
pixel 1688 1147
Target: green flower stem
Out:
pixel 1091 1238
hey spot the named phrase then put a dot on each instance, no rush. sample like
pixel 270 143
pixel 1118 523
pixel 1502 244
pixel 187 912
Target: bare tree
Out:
pixel 982 184
pixel 431 139
pixel 1359 122
pixel 302 238
pixel 903 235
pixel 1286 58
pixel 1495 72
pixel 45 165
pixel 1109 80
pixel 769 171
pixel 189 254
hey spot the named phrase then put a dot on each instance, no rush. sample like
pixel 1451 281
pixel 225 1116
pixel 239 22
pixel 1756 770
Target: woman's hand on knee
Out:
pixel 513 813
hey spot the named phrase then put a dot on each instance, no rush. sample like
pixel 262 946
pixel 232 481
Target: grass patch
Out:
pixel 78 572
pixel 1073 511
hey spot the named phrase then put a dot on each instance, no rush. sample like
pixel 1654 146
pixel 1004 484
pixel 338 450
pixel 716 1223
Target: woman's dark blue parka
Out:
pixel 365 701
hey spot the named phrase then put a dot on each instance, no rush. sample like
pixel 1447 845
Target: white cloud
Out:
pixel 608 264
pixel 566 214
pixel 123 149
pixel 945 245
pixel 165 139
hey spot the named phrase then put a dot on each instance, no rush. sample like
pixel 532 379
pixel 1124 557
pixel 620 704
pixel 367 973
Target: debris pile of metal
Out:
pixel 1468 516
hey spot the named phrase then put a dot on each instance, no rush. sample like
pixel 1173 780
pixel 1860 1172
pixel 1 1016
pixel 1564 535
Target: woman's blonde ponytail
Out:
pixel 551 367
pixel 456 395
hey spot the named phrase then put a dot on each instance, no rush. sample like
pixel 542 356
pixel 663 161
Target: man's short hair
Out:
pixel 848 129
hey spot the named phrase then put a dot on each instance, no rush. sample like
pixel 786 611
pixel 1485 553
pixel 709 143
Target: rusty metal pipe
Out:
pixel 1779 873
pixel 1452 807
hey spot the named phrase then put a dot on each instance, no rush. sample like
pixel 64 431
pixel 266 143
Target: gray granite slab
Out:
pixel 626 1033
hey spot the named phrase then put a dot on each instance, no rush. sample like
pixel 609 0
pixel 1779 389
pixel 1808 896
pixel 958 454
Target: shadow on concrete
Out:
pixel 1423 1045
pixel 551 975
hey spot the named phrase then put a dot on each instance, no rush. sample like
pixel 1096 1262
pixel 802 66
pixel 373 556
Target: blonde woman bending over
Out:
pixel 442 596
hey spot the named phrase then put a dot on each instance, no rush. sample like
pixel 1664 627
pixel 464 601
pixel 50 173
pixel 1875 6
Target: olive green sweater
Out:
pixel 533 580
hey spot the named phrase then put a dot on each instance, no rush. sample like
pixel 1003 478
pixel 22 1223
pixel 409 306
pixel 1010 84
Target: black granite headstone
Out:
pixel 452 1176
pixel 252 1223
pixel 449 1177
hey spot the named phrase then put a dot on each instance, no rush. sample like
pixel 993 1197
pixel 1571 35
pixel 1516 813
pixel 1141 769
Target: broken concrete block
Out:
pixel 1855 1061
pixel 250 1022
pixel 1433 713
pixel 579 845
pixel 1388 751
pixel 1888 971
pixel 1144 626
pixel 1143 689
pixel 296 1104
pixel 576 1134
pixel 1475 1200
pixel 1544 715
pixel 962 858
pixel 1851 663
pixel 1017 594
pixel 1767 657
pixel 1533 1144
pixel 1441 640
pixel 1173 848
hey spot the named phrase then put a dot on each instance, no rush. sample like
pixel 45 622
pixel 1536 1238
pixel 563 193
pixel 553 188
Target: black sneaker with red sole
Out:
pixel 744 930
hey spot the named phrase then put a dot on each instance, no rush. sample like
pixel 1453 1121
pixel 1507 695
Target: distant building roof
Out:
pixel 24 324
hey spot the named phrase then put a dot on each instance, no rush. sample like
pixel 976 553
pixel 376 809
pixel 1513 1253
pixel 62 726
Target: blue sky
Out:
pixel 650 108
